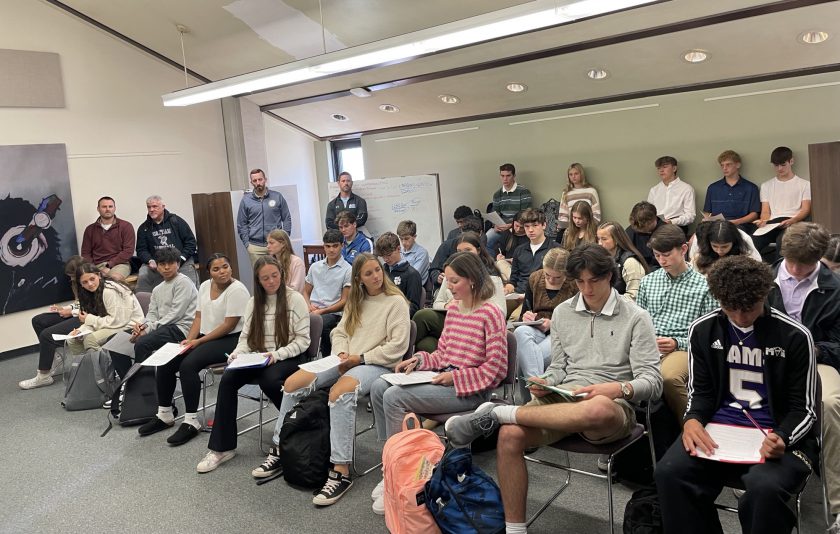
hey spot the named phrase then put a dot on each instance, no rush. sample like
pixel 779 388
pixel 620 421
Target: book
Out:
pixel 736 444
pixel 248 360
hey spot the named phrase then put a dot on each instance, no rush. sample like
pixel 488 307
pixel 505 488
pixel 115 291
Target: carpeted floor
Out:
pixel 59 476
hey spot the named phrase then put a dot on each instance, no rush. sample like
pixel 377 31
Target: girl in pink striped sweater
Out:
pixel 471 356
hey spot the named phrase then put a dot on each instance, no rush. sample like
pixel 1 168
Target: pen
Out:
pixel 753 421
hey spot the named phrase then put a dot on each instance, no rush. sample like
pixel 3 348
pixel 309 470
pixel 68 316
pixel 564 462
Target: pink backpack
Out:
pixel 407 461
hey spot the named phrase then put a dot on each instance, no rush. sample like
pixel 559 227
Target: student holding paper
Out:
pixel 750 365
pixel 547 288
pixel 276 325
pixel 370 340
pixel 105 308
pixel 213 334
pixel 59 320
pixel 471 357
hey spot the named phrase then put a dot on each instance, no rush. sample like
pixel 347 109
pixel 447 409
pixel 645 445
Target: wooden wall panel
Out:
pixel 824 163
pixel 215 229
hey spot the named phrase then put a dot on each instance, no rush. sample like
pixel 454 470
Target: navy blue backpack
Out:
pixel 462 498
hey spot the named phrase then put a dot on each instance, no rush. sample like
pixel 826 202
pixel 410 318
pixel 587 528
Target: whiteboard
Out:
pixel 391 200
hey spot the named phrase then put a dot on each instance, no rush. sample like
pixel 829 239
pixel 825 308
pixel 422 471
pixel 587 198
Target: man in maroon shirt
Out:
pixel 109 242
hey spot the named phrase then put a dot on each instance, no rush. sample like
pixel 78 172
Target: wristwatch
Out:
pixel 362 358
pixel 626 392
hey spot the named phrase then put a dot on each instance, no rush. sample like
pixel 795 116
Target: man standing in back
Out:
pixel 109 242
pixel 673 198
pixel 507 202
pixel 733 196
pixel 346 200
pixel 261 211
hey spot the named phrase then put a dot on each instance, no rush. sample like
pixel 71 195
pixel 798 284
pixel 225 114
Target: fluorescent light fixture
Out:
pixel 389 108
pixel 529 16
pixel 449 99
pixel 339 117
pixel 696 56
pixel 516 87
pixel 597 74
pixel 813 37
pixel 361 92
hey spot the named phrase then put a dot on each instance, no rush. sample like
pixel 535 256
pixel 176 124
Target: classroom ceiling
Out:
pixel 641 49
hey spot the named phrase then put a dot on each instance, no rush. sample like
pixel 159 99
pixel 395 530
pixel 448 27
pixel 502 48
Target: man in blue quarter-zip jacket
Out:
pixel 261 211
pixel 750 366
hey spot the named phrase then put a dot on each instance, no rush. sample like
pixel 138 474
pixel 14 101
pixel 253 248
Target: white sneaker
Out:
pixel 37 382
pixel 378 491
pixel 379 505
pixel 213 460
pixel 57 366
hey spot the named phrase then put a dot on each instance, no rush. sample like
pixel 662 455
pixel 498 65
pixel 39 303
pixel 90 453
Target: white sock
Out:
pixel 43 373
pixel 192 419
pixel 516 528
pixel 165 414
pixel 506 414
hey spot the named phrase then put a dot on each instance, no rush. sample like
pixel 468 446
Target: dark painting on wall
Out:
pixel 37 227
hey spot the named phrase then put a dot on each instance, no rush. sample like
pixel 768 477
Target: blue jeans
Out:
pixel 533 354
pixel 494 241
pixel 342 411
pixel 392 403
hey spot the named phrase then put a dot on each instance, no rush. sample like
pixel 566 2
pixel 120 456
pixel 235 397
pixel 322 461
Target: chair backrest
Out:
pixel 422 297
pixel 316 326
pixel 510 379
pixel 412 339
pixel 144 298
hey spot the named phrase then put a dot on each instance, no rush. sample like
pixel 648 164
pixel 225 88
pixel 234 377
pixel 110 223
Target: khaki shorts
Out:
pixel 552 436
pixel 122 270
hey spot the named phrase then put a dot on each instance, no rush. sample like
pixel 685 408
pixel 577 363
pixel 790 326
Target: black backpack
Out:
pixel 642 514
pixel 305 442
pixel 140 403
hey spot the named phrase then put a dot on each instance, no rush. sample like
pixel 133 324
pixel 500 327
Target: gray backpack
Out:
pixel 89 381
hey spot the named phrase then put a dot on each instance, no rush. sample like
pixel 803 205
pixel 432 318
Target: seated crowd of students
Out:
pixel 616 315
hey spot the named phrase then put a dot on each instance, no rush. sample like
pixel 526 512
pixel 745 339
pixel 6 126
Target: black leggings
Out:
pixel 45 325
pixel 270 380
pixel 188 366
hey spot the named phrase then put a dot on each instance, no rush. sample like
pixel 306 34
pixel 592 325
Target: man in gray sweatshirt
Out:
pixel 603 353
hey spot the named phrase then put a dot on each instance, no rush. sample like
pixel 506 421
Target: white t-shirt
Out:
pixel 231 303
pixel 785 198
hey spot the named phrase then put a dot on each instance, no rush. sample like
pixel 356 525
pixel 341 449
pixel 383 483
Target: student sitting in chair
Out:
pixel 404 276
pixel 277 326
pixel 327 287
pixel 751 366
pixel 280 246
pixel 214 334
pixel 354 242
pixel 370 340
pixel 413 252
pixel 471 357
pixel 632 266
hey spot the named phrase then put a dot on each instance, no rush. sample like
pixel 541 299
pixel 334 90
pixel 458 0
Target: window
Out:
pixel 347 157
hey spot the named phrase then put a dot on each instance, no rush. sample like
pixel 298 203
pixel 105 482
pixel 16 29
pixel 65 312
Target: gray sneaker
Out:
pixel 462 430
pixel 57 366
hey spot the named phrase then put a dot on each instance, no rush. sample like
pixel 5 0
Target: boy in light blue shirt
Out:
pixel 412 252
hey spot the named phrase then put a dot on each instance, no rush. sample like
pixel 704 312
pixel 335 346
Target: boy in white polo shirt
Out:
pixel 785 199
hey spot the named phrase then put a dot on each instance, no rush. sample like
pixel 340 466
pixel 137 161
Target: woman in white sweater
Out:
pixel 105 308
pixel 371 339
pixel 577 189
pixel 276 325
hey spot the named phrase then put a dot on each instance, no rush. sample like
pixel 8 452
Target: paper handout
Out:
pixel 736 444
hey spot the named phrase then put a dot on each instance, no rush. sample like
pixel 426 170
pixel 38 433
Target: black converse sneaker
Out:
pixel 271 466
pixel 335 487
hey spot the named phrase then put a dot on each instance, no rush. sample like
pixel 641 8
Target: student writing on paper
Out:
pixel 745 355
pixel 601 345
pixel 632 266
pixel 547 288
pixel 170 315
pixel 106 307
pixel 276 324
pixel 430 320
pixel 59 320
pixel 371 339
pixel 715 239
pixel 471 356
pixel 214 332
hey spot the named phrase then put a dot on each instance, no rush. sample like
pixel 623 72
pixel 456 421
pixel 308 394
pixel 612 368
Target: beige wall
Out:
pixel 617 149
pixel 120 140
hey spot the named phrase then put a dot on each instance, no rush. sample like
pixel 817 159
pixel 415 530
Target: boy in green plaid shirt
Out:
pixel 674 296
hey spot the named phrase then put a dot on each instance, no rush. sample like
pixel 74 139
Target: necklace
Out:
pixel 741 339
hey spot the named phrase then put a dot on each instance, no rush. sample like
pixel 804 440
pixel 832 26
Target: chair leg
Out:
pixel 610 492
pixel 557 493
pixel 354 462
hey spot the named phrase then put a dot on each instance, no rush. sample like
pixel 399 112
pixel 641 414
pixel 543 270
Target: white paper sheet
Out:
pixel 164 355
pixel 319 366
pixel 416 377
pixel 514 296
pixel 736 444
pixel 525 323
pixel 494 218
pixel 121 344
pixel 62 337
pixel 248 360
pixel 766 228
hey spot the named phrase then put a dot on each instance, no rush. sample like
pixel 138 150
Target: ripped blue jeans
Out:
pixel 342 411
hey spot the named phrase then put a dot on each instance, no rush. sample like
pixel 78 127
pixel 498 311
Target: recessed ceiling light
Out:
pixel 696 56
pixel 516 87
pixel 339 117
pixel 597 74
pixel 388 108
pixel 813 37
pixel 449 99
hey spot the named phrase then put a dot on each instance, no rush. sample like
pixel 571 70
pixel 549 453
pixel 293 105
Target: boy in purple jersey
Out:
pixel 745 357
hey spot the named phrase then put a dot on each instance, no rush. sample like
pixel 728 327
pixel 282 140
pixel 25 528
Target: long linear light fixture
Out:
pixel 494 25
